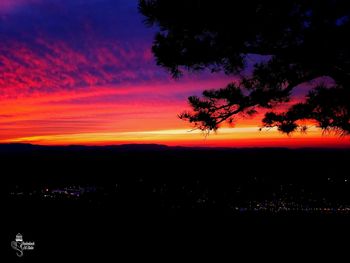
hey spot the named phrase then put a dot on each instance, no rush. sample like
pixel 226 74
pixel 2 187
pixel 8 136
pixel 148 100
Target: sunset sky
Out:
pixel 82 72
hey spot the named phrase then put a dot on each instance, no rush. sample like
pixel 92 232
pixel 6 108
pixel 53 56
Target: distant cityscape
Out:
pixel 156 179
pixel 285 203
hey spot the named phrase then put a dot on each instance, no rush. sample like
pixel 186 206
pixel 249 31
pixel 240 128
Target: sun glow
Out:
pixel 226 137
pixel 102 86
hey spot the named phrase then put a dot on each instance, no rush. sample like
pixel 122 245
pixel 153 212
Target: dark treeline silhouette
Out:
pixel 297 41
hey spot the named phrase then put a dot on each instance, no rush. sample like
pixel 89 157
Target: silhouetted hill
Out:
pixel 27 165
pixel 162 179
pixel 25 148
pixel 54 191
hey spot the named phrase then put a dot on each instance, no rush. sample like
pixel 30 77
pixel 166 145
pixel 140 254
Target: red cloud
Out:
pixel 52 88
pixel 50 66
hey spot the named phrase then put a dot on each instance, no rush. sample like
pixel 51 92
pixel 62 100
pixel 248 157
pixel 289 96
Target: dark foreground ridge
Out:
pixel 156 178
pixel 118 192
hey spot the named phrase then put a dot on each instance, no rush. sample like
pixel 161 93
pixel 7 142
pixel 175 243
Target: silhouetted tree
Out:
pixel 297 41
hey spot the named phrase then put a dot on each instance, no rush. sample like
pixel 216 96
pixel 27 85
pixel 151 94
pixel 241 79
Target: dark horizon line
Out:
pixel 161 146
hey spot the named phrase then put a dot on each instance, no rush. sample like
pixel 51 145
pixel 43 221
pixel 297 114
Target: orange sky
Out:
pixel 134 114
pixel 82 72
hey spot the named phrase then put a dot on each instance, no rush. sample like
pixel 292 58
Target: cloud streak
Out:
pixel 50 66
pixel 76 71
